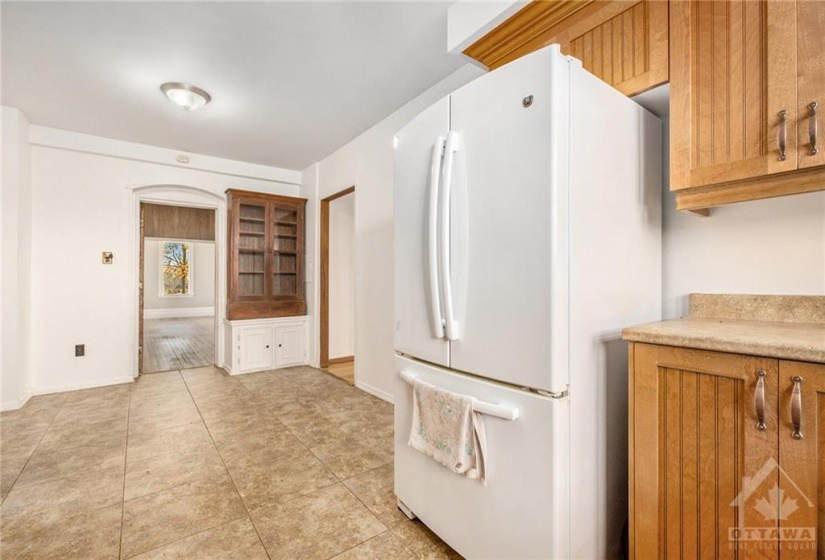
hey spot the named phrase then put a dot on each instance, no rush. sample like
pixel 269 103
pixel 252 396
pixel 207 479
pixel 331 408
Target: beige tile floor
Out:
pixel 197 464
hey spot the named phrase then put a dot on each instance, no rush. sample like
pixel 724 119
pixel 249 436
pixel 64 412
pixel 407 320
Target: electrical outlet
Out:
pixel 79 350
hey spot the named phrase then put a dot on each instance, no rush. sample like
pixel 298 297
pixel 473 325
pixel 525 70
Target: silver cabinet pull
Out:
pixel 783 133
pixel 796 407
pixel 812 150
pixel 759 401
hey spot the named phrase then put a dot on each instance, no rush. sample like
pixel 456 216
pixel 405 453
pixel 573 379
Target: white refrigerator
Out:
pixel 527 235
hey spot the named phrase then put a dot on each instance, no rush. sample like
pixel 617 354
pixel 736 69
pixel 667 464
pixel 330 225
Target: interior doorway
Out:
pixel 177 288
pixel 337 317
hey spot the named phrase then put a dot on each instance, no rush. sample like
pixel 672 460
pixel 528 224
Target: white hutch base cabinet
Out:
pixel 261 344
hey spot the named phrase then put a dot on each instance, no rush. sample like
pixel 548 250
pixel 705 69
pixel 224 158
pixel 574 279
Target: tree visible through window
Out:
pixel 176 260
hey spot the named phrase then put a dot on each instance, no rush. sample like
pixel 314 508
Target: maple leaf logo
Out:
pixel 776 507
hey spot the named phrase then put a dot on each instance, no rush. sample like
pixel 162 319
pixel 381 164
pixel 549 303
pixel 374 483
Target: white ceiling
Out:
pixel 290 82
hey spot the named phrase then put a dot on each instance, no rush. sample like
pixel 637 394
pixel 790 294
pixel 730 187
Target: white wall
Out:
pixel 202 277
pixel 367 163
pixel 469 20
pixel 342 277
pixel 83 204
pixel 773 246
pixel 15 293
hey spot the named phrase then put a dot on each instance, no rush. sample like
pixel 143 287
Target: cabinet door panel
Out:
pixel 290 346
pixel 803 460
pixel 733 66
pixel 695 447
pixel 811 75
pixel 255 348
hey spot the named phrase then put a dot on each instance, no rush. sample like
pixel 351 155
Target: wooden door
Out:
pixel 802 458
pixel 811 81
pixel 695 449
pixel 732 74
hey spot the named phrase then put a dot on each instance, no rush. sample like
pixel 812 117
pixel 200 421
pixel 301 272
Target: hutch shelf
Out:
pixel 266 255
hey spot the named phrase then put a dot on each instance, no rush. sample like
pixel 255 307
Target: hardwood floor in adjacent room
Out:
pixel 182 343
pixel 344 371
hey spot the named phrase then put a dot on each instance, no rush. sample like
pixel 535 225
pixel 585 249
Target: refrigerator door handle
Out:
pixel 436 313
pixel 450 324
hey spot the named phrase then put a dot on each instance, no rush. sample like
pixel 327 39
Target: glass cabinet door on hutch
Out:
pixel 284 250
pixel 266 255
pixel 251 251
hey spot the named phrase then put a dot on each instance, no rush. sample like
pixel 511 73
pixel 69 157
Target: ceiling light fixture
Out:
pixel 187 96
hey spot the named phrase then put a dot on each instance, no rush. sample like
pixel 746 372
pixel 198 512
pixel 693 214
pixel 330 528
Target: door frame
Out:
pixel 186 196
pixel 324 276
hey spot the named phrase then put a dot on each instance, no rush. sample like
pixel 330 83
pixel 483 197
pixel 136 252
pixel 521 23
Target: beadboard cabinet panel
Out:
pixel 732 75
pixel 623 42
pixel 727 455
pixel 694 443
pixel 802 455
pixel 811 82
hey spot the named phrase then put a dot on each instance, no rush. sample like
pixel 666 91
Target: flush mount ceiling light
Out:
pixel 186 96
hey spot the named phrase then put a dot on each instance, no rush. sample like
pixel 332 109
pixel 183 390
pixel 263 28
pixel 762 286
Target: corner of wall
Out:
pixel 15 251
pixel 309 190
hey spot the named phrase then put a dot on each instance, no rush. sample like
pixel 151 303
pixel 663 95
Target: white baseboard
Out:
pixel 374 391
pixel 83 385
pixel 14 405
pixel 175 313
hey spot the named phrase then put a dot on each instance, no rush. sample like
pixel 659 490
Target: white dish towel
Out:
pixel 445 428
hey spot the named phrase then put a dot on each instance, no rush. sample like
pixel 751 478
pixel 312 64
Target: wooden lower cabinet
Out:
pixel 715 468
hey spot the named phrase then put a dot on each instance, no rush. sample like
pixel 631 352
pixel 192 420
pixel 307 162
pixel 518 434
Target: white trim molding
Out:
pixel 176 313
pixel 87 143
pixel 375 391
pixel 190 196
pixel 84 385
pixel 19 403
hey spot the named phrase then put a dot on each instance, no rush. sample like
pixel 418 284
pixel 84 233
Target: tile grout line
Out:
pixel 340 479
pixel 39 441
pixel 142 552
pixel 223 462
pixel 125 462
pixel 389 529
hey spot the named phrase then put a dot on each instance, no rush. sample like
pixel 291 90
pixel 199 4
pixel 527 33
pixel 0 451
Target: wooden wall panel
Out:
pixel 623 42
pixel 178 222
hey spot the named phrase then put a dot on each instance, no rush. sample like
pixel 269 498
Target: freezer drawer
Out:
pixel 523 512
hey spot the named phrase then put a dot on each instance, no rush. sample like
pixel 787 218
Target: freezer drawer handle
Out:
pixel 497 410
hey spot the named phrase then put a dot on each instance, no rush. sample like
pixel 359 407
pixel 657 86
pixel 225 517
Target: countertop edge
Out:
pixel 645 334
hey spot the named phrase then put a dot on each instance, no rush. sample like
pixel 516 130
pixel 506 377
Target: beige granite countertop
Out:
pixel 721 324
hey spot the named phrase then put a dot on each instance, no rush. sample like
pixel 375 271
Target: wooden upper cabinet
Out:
pixel 810 55
pixel 742 73
pixel 625 43
pixel 266 256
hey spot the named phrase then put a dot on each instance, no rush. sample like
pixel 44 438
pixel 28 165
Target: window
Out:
pixel 176 268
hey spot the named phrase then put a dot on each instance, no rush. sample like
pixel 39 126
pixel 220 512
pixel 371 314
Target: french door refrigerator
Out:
pixel 527 235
